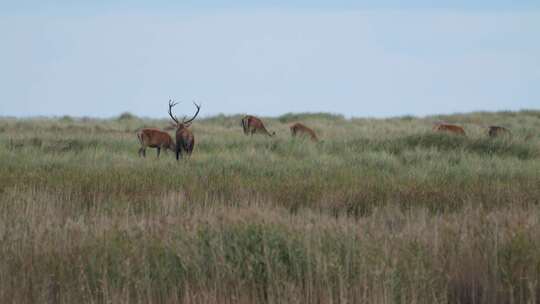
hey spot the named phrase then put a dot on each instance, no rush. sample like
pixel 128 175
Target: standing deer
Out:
pixel 185 141
pixel 252 125
pixel 154 138
pixel 495 131
pixel 445 127
pixel 299 129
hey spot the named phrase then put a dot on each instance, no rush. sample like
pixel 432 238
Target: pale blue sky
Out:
pixel 370 58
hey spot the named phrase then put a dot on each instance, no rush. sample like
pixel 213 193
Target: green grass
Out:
pixel 380 211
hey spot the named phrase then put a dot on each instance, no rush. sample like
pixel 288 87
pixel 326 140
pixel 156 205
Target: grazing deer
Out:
pixel 445 127
pixel 185 141
pixel 495 131
pixel 252 125
pixel 154 138
pixel 299 129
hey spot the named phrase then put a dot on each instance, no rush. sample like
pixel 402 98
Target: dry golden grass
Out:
pixel 380 211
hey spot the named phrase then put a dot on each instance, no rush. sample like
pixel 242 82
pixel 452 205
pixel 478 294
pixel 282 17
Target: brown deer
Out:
pixel 252 125
pixel 185 141
pixel 299 129
pixel 450 128
pixel 154 138
pixel 495 131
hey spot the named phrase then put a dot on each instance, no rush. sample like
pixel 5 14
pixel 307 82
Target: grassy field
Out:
pixel 380 211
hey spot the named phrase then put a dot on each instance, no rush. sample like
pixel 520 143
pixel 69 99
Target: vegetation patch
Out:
pixel 378 211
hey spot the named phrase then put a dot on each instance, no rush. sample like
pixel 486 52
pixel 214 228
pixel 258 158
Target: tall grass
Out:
pixel 381 211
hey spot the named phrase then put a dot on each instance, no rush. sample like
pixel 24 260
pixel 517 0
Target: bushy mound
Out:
pixel 127 116
pixel 223 119
pixel 53 145
pixel 447 142
pixel 292 117
pixel 66 118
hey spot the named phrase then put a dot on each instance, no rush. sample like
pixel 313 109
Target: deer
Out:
pixel 185 141
pixel 252 125
pixel 495 131
pixel 299 129
pixel 154 138
pixel 450 128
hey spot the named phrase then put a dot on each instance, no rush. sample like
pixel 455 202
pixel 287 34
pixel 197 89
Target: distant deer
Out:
pixel 252 125
pixel 299 129
pixel 450 128
pixel 495 131
pixel 185 141
pixel 154 138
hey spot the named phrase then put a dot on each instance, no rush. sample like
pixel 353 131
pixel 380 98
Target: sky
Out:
pixel 356 58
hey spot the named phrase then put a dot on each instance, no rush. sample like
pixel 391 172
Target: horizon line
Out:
pixel 211 116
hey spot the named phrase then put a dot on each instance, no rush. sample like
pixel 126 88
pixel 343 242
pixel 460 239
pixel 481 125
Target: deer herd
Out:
pixel 185 140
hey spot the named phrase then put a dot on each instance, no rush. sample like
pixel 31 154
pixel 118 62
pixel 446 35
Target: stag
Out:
pixel 185 141
pixel 495 131
pixel 154 138
pixel 299 129
pixel 252 125
pixel 450 128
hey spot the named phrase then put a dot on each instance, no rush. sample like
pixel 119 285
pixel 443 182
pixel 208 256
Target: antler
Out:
pixel 196 113
pixel 171 105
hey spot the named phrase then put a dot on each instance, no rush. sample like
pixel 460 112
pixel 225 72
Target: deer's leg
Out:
pixel 243 127
pixel 189 149
pixel 178 151
pixel 179 154
pixel 158 151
